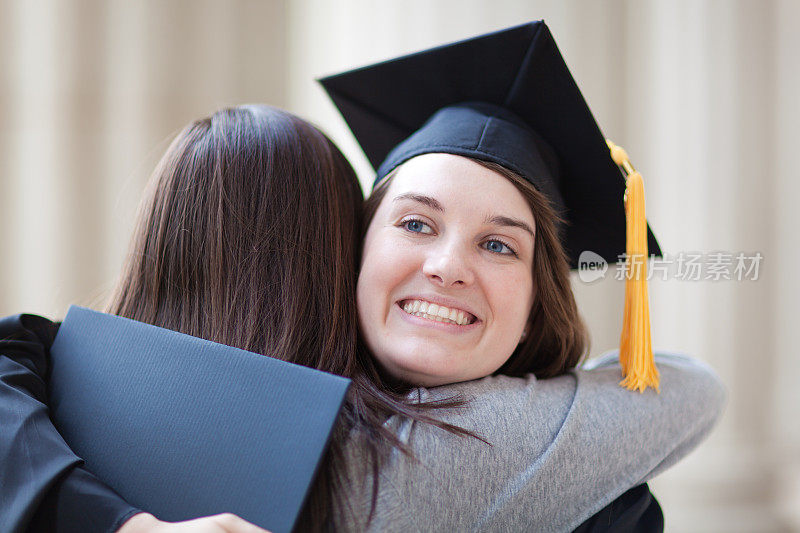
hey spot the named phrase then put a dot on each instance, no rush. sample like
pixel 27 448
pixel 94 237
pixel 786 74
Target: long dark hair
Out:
pixel 248 235
pixel 556 338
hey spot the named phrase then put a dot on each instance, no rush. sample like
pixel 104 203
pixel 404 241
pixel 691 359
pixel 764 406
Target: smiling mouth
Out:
pixel 437 313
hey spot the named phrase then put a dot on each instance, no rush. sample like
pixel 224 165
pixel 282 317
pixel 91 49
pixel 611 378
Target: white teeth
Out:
pixel 435 312
pixel 436 318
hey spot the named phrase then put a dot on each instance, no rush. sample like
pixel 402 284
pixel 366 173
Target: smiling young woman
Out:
pixel 458 257
pixel 473 142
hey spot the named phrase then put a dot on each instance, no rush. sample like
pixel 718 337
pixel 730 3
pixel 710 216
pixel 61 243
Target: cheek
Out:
pixel 512 299
pixel 367 282
pixel 382 271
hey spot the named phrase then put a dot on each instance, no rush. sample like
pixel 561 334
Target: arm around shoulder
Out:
pixel 612 439
pixel 654 429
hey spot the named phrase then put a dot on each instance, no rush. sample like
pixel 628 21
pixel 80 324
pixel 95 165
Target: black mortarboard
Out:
pixel 506 97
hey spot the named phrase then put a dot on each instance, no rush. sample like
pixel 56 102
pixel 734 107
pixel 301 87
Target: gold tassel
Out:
pixel 636 348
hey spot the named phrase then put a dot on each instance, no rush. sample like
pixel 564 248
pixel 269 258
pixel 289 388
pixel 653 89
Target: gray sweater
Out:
pixel 562 449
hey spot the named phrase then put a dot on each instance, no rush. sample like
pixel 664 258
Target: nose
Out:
pixel 449 266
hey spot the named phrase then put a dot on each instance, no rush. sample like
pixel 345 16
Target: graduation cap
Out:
pixel 508 97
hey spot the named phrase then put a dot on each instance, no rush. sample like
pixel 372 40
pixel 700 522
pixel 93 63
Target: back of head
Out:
pixel 247 235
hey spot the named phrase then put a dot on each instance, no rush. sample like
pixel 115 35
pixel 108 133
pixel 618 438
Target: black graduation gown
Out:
pixel 46 488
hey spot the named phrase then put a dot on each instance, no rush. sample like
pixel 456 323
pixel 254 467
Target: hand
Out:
pixel 219 523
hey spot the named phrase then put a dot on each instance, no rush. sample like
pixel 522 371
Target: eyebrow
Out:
pixel 433 203
pixel 499 220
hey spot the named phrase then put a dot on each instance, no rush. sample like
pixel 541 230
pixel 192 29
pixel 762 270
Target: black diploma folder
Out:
pixel 183 427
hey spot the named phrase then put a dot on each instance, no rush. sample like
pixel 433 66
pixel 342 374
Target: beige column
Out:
pixel 91 93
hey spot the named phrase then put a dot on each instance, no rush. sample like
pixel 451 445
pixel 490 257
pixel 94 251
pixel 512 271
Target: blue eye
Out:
pixel 417 226
pixel 498 247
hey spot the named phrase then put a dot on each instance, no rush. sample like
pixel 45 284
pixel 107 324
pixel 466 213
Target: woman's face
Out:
pixel 446 280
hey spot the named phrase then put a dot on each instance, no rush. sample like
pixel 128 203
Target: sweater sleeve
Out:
pixel 689 421
pixel 44 485
pixel 561 449
pixel 622 438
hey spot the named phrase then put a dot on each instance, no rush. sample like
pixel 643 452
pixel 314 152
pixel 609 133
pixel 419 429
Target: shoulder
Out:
pixel 559 448
pixel 687 385
pixel 518 416
pixel 28 328
pixel 586 416
pixel 501 390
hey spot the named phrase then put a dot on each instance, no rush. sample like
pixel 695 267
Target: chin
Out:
pixel 428 377
pixel 424 375
pixel 432 381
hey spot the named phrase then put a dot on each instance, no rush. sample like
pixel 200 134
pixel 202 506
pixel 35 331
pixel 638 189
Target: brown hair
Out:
pixel 248 235
pixel 556 338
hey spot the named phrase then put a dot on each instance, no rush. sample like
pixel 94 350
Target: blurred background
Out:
pixel 702 94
